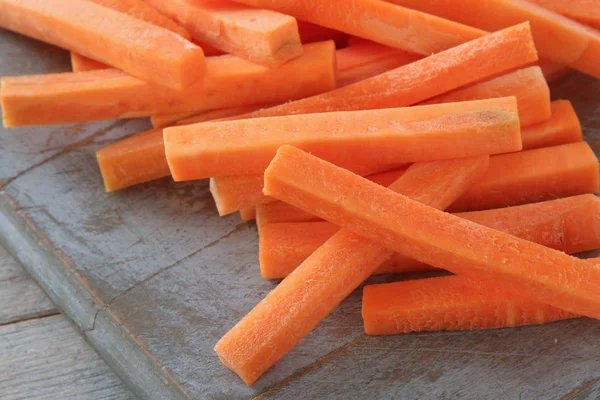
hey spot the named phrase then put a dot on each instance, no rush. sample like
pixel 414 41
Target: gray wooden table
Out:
pixel 42 356
pixel 152 278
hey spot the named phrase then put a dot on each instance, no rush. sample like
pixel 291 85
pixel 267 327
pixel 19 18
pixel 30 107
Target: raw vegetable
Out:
pixel 264 37
pixel 563 127
pixel 431 236
pixel 141 49
pixel 585 11
pixel 450 303
pixel 308 295
pixel 474 61
pixel 571 225
pixel 534 175
pixel 557 38
pixel 363 141
pixel 378 21
pixel 161 121
pixel 229 82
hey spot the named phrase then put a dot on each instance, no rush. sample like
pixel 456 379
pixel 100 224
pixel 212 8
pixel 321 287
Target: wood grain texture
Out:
pixel 153 277
pixel 20 296
pixel 47 359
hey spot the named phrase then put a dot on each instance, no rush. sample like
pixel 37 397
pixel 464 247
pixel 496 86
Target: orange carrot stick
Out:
pixel 310 33
pixel 120 170
pixel 431 236
pixel 585 11
pixel 532 176
pixel 136 9
pixel 247 214
pixel 563 127
pixel 108 36
pixel 80 63
pixel 528 85
pixel 553 71
pixel 571 225
pixel 362 141
pixel 234 193
pixel 308 295
pixel 230 82
pixel 161 121
pixel 378 21
pixel 480 59
pixel 262 36
pixel 366 59
pixel 557 38
pixel 450 303
pixel 144 12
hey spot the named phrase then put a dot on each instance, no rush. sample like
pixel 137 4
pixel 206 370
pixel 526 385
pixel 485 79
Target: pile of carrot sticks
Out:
pixel 363 136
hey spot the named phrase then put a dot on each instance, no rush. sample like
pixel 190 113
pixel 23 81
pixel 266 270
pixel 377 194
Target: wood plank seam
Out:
pixel 25 318
pixel 74 146
pixel 305 370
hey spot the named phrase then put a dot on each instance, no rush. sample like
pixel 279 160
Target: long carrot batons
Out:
pixel 230 82
pixel 141 10
pixel 136 9
pixel 480 59
pixel 235 193
pixel 160 121
pixel 557 38
pixel 527 85
pixel 571 225
pixel 431 236
pixel 108 36
pixel 563 127
pixel 120 170
pixel 534 175
pixel 310 33
pixel 80 63
pixel 262 36
pixel 302 300
pixel 366 59
pixel 586 12
pixel 362 141
pixel 450 303
pixel 381 22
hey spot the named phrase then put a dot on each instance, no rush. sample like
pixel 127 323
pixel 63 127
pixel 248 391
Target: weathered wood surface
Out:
pixel 153 277
pixel 48 359
pixel 21 298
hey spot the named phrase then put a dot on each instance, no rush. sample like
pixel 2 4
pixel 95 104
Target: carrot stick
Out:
pixel 234 193
pixel 230 82
pixel 533 172
pixel 570 225
pixel 247 214
pixel 80 63
pixel 585 11
pixel 264 37
pixel 431 236
pixel 557 38
pixel 367 59
pixel 308 295
pixel 528 85
pixel 161 121
pixel 120 170
pixel 563 127
pixel 310 33
pixel 362 141
pixel 532 176
pixel 108 36
pixel 553 71
pixel 480 59
pixel 450 303
pixel 144 12
pixel 136 9
pixel 378 21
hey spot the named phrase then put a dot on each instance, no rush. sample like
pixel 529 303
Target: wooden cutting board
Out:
pixel 153 277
